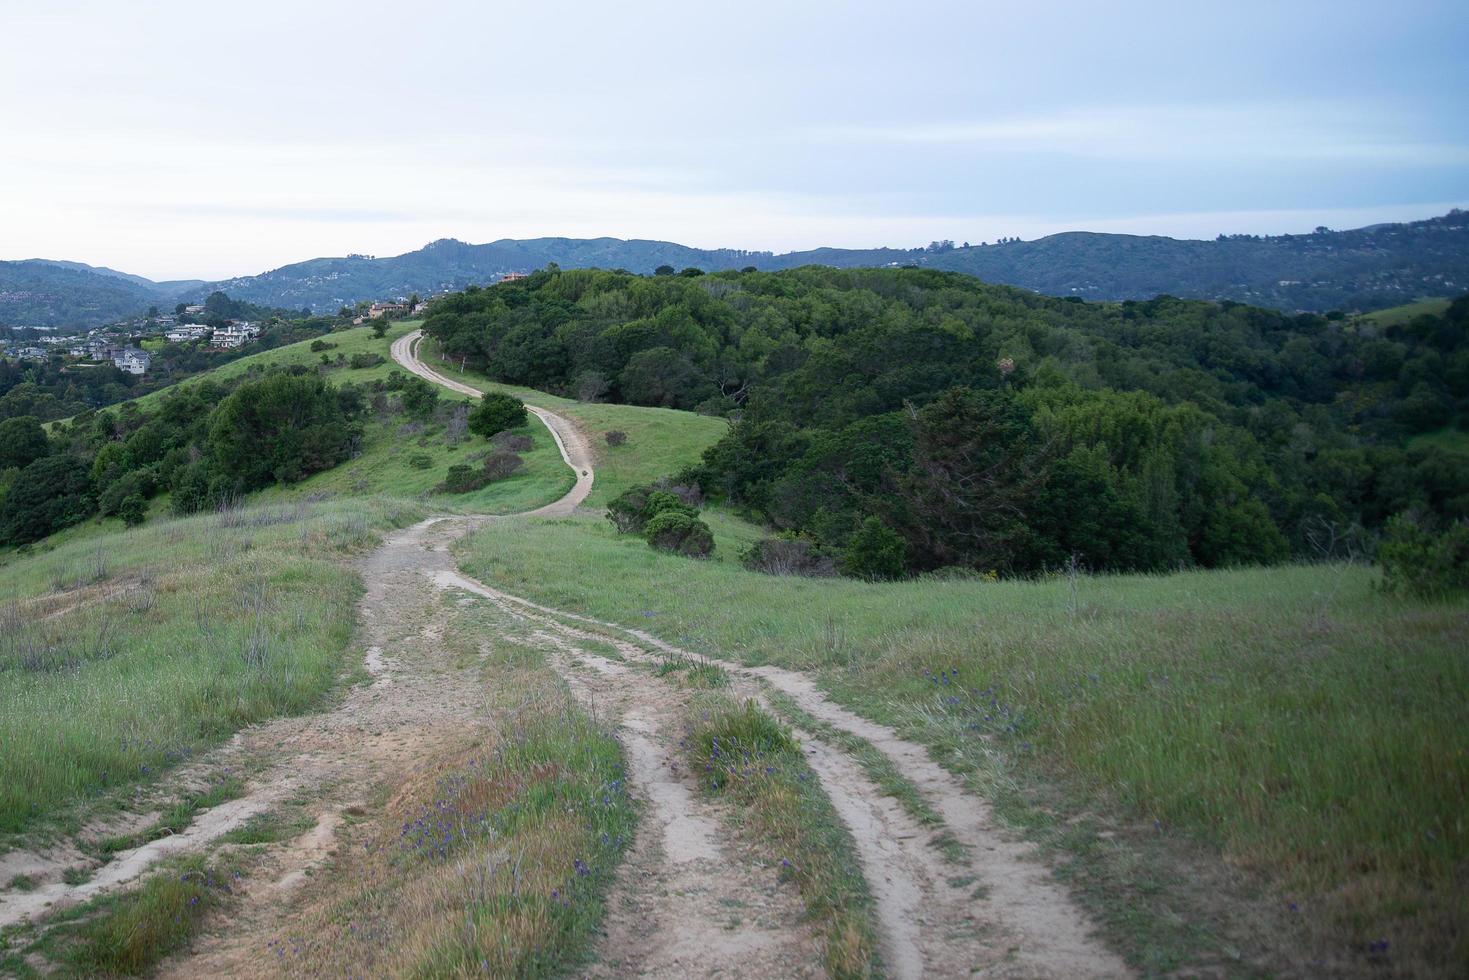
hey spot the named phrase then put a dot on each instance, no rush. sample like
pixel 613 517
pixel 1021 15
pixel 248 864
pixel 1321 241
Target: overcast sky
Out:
pixel 207 140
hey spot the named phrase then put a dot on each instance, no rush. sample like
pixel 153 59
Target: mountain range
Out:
pixel 1363 269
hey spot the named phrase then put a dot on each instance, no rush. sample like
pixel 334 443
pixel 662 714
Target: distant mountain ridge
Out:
pixel 1367 268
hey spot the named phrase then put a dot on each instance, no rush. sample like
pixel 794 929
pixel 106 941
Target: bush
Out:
pixel 875 553
pixel 495 413
pixel 1423 564
pixel 22 442
pixel 499 465
pixel 788 556
pixel 281 429
pixel 680 533
pixel 511 442
pixel 317 346
pixel 133 510
pixel 631 510
pixel 420 461
pixel 51 493
pixel 419 397
pixel 615 437
pixel 366 360
pixel 461 478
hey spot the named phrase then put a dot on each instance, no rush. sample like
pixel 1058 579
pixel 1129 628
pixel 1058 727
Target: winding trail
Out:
pixel 689 901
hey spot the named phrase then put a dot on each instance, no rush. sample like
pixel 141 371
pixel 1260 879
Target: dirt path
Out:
pixel 571 442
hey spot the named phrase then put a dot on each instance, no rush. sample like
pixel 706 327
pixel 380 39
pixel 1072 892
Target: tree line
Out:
pixel 991 429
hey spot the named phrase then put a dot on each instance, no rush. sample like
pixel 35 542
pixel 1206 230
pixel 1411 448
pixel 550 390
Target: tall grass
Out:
pixel 1307 726
pixel 197 628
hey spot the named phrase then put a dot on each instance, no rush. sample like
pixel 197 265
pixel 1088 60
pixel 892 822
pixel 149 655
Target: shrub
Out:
pixel 679 533
pixel 281 429
pixel 51 493
pixel 133 510
pixel 461 478
pixel 875 553
pixel 420 461
pixel 367 359
pixel 788 556
pixel 495 413
pixel 317 346
pixel 631 510
pixel 1422 563
pixel 615 437
pixel 499 465
pixel 22 442
pixel 419 397
pixel 511 442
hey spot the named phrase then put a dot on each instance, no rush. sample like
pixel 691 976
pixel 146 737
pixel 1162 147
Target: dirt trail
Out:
pixel 688 901
pixel 1000 912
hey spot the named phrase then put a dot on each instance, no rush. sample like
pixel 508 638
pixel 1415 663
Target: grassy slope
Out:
pixel 1310 728
pixel 1398 315
pixel 660 441
pixel 125 654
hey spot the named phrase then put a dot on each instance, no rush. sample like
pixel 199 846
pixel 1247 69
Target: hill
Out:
pixel 67 295
pixel 1369 268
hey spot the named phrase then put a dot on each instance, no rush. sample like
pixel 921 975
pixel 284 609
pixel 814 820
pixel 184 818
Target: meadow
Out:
pixel 1294 721
pixel 126 654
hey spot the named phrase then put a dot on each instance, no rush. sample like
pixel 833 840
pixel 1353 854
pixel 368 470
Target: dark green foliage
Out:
pixel 1004 431
pixel 133 510
pixel 875 552
pixel 420 461
pixel 47 495
pixel 366 359
pixel 678 532
pixel 495 413
pixel 615 437
pixel 631 510
pixel 420 397
pixel 380 327
pixel 1422 563
pixel 463 478
pixel 281 429
pixel 317 346
pixel 22 441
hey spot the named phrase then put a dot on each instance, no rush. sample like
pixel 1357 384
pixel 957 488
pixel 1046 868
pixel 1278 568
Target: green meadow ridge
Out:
pixel 1186 749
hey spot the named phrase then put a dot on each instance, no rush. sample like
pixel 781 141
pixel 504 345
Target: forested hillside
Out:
pixel 992 429
pixel 1369 268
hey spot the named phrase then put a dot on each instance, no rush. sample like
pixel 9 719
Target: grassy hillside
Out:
pixel 660 441
pixel 123 654
pixel 1293 720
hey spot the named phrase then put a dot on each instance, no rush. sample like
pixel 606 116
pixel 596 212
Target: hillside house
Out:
pixel 133 361
pixel 513 276
pixel 234 335
pixel 386 309
pixel 179 335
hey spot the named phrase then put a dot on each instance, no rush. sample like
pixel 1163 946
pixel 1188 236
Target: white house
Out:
pixel 234 334
pixel 133 361
pixel 179 335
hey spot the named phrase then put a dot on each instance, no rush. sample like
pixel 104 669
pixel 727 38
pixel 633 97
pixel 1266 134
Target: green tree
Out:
pixel 49 494
pixel 495 413
pixel 679 533
pixel 875 552
pixel 22 442
pixel 281 429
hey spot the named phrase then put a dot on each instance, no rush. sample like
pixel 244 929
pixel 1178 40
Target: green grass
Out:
pixel 1294 720
pixel 660 441
pixel 126 935
pixel 1399 315
pixel 125 654
pixel 743 753
pixel 1451 439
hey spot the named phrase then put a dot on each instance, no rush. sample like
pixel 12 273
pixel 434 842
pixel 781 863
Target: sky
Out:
pixel 208 140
